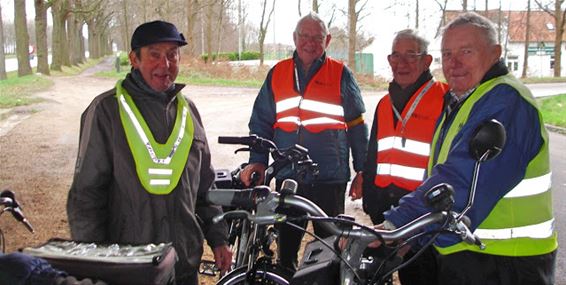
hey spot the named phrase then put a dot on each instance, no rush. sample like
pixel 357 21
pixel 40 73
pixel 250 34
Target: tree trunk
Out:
pixel 352 22
pixel 126 25
pixel 442 22
pixel 263 29
pixel 240 30
pixel 315 6
pixel 192 16
pixel 221 9
pixel 559 16
pixel 3 74
pixel 22 38
pixel 527 41
pixel 41 37
pixel 417 14
pixel 73 26
pixel 58 35
pixel 92 38
pixel 209 19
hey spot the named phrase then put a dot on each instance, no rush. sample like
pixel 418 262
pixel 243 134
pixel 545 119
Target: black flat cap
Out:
pixel 156 32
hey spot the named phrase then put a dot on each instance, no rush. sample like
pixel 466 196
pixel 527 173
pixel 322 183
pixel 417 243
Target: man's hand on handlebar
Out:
pixel 246 174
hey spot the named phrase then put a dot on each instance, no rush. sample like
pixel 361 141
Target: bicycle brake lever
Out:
pixel 242 149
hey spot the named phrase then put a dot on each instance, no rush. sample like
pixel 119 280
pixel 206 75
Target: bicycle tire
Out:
pixel 271 275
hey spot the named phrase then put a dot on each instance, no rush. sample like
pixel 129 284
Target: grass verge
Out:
pixel 17 91
pixel 554 110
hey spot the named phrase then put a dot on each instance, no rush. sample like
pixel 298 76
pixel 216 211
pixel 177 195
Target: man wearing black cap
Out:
pixel 143 166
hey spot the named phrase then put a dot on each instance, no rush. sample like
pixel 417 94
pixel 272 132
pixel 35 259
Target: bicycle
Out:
pixel 349 264
pixel 250 242
pixel 60 261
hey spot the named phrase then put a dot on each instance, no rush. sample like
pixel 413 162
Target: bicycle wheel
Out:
pixel 268 275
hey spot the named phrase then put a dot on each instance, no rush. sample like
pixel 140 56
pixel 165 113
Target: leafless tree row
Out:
pixel 211 26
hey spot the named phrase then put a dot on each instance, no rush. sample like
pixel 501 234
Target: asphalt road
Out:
pixel 558 166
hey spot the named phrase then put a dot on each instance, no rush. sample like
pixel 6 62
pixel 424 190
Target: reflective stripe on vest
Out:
pixel 407 172
pixel 541 230
pixel 521 223
pixel 320 107
pixel 159 166
pixel 411 146
pixel 403 148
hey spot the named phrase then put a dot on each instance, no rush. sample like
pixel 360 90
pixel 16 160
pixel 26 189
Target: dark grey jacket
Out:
pixel 107 202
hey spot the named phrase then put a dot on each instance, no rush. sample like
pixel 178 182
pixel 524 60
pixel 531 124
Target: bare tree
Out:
pixel 74 35
pixel 299 8
pixel 2 55
pixel 417 14
pixel 442 7
pixel 59 55
pixel 527 41
pixel 240 30
pixel 354 16
pixel 192 16
pixel 559 19
pixel 41 36
pixel 208 34
pixel 263 28
pixel 315 6
pixel 22 38
pixel 222 7
pixel 464 5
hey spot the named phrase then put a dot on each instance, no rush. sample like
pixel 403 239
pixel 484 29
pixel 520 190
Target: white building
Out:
pixel 512 33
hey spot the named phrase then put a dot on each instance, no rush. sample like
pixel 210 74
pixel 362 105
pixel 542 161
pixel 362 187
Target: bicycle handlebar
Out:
pixel 254 142
pixel 296 155
pixel 8 200
pixel 267 202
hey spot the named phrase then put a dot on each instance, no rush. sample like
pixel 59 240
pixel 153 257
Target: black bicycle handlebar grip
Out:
pixel 289 187
pixel 15 209
pixel 248 140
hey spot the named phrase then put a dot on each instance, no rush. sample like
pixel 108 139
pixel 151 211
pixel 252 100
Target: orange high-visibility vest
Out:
pixel 403 152
pixel 320 106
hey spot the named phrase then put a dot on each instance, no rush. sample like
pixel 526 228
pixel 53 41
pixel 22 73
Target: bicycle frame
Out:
pixel 251 238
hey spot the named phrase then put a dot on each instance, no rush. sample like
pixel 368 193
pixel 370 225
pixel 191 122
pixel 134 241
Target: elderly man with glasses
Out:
pixel 400 139
pixel 311 100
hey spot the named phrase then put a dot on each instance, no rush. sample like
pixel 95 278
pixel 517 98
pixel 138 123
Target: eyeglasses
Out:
pixel 408 57
pixel 316 39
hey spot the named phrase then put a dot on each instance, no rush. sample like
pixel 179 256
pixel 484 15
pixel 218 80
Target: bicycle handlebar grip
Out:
pixel 9 200
pixel 249 140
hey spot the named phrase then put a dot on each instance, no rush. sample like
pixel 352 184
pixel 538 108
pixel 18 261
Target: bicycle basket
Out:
pixel 116 264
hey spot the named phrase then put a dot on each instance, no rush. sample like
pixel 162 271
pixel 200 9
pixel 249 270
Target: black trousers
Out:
pixel 471 268
pixel 422 271
pixel 329 197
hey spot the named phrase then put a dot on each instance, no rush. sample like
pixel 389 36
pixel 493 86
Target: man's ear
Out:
pixel 498 50
pixel 427 58
pixel 134 60
pixel 328 38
